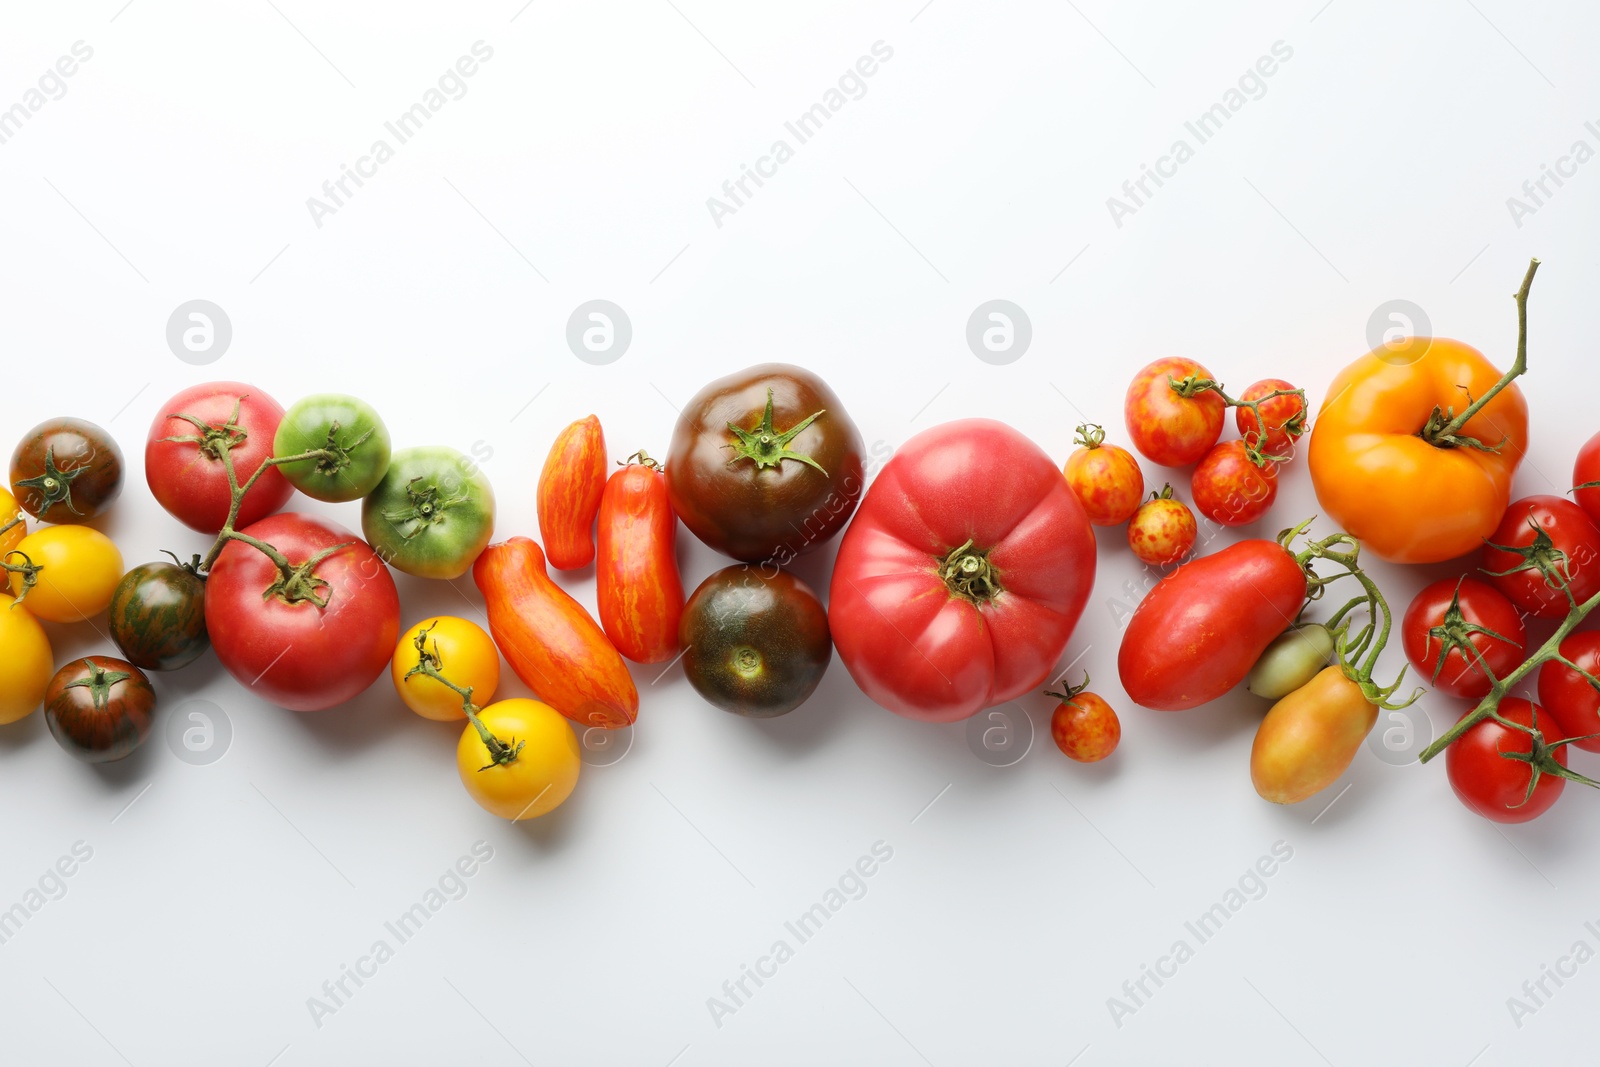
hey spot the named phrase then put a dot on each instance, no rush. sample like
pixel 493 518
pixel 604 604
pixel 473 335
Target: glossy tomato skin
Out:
pixel 1162 531
pixel 1480 604
pixel 1168 429
pixel 1571 534
pixel 431 514
pixel 1310 737
pixel 79 568
pixel 342 423
pixel 774 512
pixel 638 587
pixel 1107 481
pixel 13 520
pixel 1405 499
pixel 542 776
pixel 193 484
pixel 66 471
pixel 1284 416
pixel 27 666
pixel 99 708
pixel 1085 728
pixel 1568 696
pixel 1200 630
pixel 571 485
pixel 1586 472
pixel 1228 487
pixel 756 641
pixel 1491 785
pixel 463 654
pixel 299 656
pixel 979 490
pixel 158 617
pixel 551 642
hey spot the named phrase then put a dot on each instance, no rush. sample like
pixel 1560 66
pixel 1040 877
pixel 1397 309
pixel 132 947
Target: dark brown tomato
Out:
pixel 66 471
pixel 756 641
pixel 158 617
pixel 99 708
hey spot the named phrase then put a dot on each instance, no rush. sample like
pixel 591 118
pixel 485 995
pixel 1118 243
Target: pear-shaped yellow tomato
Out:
pixel 1309 737
pixel 545 768
pixel 11 511
pixel 460 651
pixel 79 569
pixel 25 664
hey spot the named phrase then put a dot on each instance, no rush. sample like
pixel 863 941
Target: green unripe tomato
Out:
pixel 1292 659
pixel 432 514
pixel 350 431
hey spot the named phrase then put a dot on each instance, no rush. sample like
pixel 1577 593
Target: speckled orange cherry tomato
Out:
pixel 1083 726
pixel 1234 486
pixel 1168 427
pixel 1105 478
pixel 1162 531
pixel 1284 418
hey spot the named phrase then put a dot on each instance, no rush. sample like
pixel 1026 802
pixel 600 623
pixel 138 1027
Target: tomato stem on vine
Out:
pixel 429 663
pixel 1070 692
pixel 1292 427
pixel 27 568
pixel 1089 435
pixel 1443 428
pixel 641 458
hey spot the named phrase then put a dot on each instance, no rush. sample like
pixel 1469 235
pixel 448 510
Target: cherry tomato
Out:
pixel 1571 697
pixel 1106 478
pixel 1230 487
pixel 544 771
pixel 1496 787
pixel 99 708
pixel 1586 477
pixel 1162 530
pixel 78 572
pixel 1559 540
pixel 1284 416
pixel 26 666
pixel 183 462
pixel 1083 725
pixel 1449 617
pixel 66 471
pixel 460 651
pixel 1167 427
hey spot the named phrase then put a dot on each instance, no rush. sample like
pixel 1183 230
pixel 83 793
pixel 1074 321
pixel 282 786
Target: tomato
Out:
pixel 550 641
pixel 13 523
pixel 78 569
pixel 313 638
pixel 457 649
pixel 66 471
pixel 571 484
pixel 1586 478
pixel 960 581
pixel 638 587
pixel 1200 630
pixel 765 464
pixel 183 455
pixel 1168 428
pixel 1084 726
pixel 158 617
pixel 27 665
pixel 756 643
pixel 1310 737
pixel 1407 499
pixel 1106 478
pixel 1162 531
pixel 432 513
pixel 353 441
pixel 99 708
pixel 544 771
pixel 1493 786
pixel 1292 659
pixel 1556 536
pixel 1451 616
pixel 1231 488
pixel 1284 418
pixel 1568 696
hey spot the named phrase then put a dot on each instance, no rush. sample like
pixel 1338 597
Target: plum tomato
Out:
pixel 1453 628
pixel 1167 426
pixel 1543 542
pixel 1234 486
pixel 1106 478
pixel 1294 658
pixel 1495 787
pixel 66 471
pixel 1162 531
pixel 1284 418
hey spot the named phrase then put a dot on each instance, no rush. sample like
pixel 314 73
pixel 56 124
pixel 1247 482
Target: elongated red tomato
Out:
pixel 639 589
pixel 1200 630
pixel 570 487
pixel 550 640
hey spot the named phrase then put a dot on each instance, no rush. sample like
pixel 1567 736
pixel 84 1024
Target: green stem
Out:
pixel 428 664
pixel 1445 434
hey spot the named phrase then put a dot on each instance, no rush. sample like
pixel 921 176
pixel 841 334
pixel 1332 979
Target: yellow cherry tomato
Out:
pixel 460 651
pixel 544 771
pixel 9 510
pixel 26 666
pixel 79 569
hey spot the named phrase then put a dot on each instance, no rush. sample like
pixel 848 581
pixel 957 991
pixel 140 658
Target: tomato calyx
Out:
pixel 424 507
pixel 1068 695
pixel 214 441
pixel 1089 435
pixel 1541 555
pixel 1454 633
pixel 968 574
pixel 54 485
pixel 335 455
pixel 294 584
pixel 1164 493
pixel 99 681
pixel 429 664
pixel 1541 755
pixel 640 458
pixel 767 447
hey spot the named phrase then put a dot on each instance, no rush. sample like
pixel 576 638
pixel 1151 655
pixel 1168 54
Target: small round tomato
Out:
pixel 66 471
pixel 432 514
pixel 13 521
pixel 1586 479
pixel 1168 427
pixel 460 651
pixel 1284 418
pixel 75 572
pixel 352 440
pixel 158 617
pixel 1105 478
pixel 1083 725
pixel 1496 787
pixel 755 644
pixel 99 708
pixel 1162 531
pixel 1568 695
pixel 1560 543
pixel 1469 623
pixel 1231 487
pixel 543 772
pixel 184 449
pixel 26 666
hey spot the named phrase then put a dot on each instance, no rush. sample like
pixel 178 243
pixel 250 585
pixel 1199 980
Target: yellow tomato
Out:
pixel 79 569
pixel 26 666
pixel 542 775
pixel 1310 737
pixel 461 651
pixel 9 509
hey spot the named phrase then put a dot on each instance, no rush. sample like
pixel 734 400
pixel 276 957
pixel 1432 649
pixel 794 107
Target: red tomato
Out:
pixel 1493 786
pixel 638 586
pixel 1285 418
pixel 183 463
pixel 1571 697
pixel 1106 478
pixel 1586 472
pixel 1230 488
pixel 1559 539
pixel 1084 727
pixel 1166 427
pixel 277 641
pixel 570 486
pixel 1479 609
pixel 963 573
pixel 1200 630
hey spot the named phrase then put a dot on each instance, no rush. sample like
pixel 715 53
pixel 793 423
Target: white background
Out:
pixel 977 166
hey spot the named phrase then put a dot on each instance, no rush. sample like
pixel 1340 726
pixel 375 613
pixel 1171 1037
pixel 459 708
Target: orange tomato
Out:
pixel 637 584
pixel 1105 478
pixel 570 486
pixel 1406 499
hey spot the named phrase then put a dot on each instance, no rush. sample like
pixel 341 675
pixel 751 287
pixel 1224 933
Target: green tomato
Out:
pixel 432 513
pixel 349 431
pixel 1292 659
